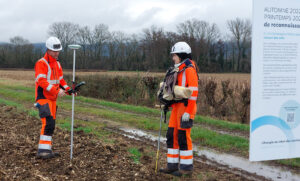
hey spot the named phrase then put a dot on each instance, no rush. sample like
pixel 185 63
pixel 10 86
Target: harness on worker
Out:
pixel 166 93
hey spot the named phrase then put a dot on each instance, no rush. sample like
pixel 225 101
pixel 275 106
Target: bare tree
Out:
pixel 116 49
pixel 22 52
pixel 201 36
pixel 134 54
pixel 241 32
pixel 85 39
pixel 155 46
pixel 101 35
pixel 18 40
pixel 65 31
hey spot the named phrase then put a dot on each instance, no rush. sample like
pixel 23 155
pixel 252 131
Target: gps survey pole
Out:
pixel 74 48
pixel 158 140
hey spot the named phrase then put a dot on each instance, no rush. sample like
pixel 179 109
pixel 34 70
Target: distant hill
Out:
pixel 35 45
pixel 39 46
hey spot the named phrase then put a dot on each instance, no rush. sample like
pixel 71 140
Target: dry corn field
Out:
pixel 221 96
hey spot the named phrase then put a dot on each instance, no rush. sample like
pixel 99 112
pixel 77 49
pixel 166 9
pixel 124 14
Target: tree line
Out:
pixel 148 50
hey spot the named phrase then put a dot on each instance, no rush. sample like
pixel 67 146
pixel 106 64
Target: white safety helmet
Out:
pixel 181 47
pixel 53 44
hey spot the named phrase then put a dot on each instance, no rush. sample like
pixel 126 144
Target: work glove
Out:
pixel 71 93
pixel 185 117
pixel 68 93
pixel 61 93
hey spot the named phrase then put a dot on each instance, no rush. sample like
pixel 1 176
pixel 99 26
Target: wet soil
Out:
pixel 93 158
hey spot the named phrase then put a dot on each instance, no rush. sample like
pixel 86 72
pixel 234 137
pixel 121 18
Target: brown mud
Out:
pixel 93 158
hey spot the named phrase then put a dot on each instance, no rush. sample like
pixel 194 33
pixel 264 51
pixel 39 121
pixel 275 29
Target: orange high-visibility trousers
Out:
pixel 179 142
pixel 47 112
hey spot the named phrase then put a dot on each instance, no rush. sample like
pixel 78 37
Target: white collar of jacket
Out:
pixel 177 65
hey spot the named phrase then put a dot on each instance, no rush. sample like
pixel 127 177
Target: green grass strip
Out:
pixel 20 96
pixel 133 120
pixel 19 107
pixel 295 162
pixel 155 112
pixel 219 141
pixel 11 103
pixel 222 124
pixel 123 107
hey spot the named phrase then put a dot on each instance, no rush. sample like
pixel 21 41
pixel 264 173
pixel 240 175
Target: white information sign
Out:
pixel 275 80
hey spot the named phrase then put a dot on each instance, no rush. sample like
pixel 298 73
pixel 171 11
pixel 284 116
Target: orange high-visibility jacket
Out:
pixel 189 78
pixel 48 78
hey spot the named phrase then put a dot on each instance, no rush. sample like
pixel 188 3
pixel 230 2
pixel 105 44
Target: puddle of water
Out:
pixel 258 168
pixel 261 169
pixel 143 134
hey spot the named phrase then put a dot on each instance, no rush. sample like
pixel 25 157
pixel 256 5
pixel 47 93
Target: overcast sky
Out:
pixel 31 18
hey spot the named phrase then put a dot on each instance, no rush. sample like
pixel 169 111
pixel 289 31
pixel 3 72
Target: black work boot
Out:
pixel 180 173
pixel 167 170
pixel 46 154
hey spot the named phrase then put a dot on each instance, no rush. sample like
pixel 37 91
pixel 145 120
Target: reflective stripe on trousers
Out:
pixel 186 157
pixel 45 142
pixel 173 155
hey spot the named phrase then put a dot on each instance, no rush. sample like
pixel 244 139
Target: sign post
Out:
pixel 275 76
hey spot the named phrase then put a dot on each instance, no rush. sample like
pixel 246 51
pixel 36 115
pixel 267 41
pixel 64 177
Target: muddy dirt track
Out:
pixel 93 159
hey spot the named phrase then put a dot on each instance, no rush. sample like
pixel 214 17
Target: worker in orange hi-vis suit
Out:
pixel 179 142
pixel 49 84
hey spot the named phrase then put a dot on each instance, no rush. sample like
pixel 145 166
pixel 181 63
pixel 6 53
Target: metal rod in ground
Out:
pixel 74 48
pixel 73 102
pixel 158 141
